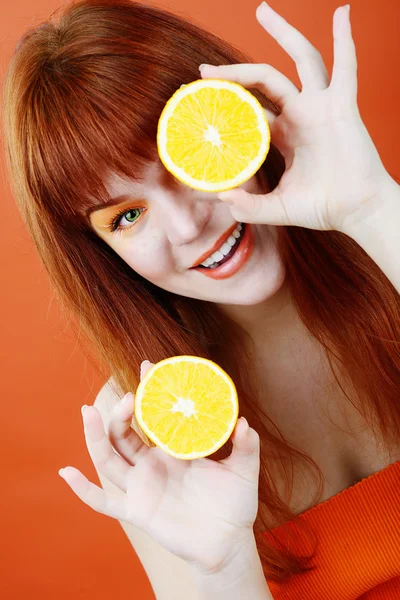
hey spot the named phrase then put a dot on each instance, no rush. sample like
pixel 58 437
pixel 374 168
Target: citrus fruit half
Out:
pixel 187 405
pixel 213 135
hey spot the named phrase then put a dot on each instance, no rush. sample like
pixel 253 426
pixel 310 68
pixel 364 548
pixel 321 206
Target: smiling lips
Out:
pixel 241 256
pixel 217 245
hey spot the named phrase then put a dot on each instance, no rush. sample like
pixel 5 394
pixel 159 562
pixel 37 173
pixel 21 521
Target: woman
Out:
pixel 308 328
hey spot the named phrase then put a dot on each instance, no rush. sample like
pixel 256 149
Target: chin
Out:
pixel 261 289
pixel 263 281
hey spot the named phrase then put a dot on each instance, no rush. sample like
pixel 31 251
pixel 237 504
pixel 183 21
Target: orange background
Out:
pixel 53 545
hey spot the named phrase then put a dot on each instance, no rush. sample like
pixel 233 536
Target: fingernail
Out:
pixel 144 362
pixel 203 65
pixel 225 198
pixel 83 409
pixel 246 424
pixel 63 474
pixel 126 399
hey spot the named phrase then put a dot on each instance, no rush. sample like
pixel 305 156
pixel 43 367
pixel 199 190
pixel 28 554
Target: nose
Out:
pixel 184 217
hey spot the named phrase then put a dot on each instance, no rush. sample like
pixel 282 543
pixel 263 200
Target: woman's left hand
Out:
pixel 333 170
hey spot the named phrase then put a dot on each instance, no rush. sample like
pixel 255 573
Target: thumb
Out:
pixel 268 209
pixel 245 456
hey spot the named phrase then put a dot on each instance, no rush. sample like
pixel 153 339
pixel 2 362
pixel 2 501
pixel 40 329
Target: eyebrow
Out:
pixel 112 202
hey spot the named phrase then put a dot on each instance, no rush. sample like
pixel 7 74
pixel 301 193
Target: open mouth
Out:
pixel 232 251
pixel 213 262
pixel 239 254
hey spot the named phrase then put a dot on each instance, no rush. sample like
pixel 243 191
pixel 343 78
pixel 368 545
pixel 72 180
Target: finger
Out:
pixel 309 63
pixel 245 456
pixel 145 368
pixel 344 72
pixel 107 462
pixel 263 77
pixel 122 436
pixel 267 209
pixel 94 496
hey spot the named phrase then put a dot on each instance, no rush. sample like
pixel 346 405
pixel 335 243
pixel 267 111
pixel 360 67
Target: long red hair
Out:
pixel 83 94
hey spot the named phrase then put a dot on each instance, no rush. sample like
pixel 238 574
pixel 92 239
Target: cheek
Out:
pixel 149 263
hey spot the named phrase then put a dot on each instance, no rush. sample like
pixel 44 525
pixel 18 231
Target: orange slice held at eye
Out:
pixel 187 406
pixel 213 135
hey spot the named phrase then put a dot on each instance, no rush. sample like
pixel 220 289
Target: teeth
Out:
pixel 225 248
pixel 207 262
pixel 217 256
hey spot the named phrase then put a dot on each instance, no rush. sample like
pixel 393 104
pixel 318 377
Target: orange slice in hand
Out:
pixel 187 405
pixel 213 135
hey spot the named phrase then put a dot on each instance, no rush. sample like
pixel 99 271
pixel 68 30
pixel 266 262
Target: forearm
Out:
pixel 378 232
pixel 241 578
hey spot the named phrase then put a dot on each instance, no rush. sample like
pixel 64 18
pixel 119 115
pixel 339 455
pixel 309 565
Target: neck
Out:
pixel 289 363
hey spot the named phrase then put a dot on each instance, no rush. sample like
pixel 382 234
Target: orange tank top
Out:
pixel 358 552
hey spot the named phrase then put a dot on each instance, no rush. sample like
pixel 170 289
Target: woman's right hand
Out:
pixel 201 510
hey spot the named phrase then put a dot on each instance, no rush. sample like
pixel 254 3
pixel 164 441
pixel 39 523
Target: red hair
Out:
pixel 83 94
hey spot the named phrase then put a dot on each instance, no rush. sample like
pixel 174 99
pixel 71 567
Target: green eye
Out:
pixel 114 224
pixel 130 211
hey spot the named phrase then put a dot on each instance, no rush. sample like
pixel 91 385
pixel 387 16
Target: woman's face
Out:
pixel 167 227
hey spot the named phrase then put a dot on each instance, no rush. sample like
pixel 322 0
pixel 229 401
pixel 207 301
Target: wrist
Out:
pixel 384 205
pixel 239 575
pixel 377 232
